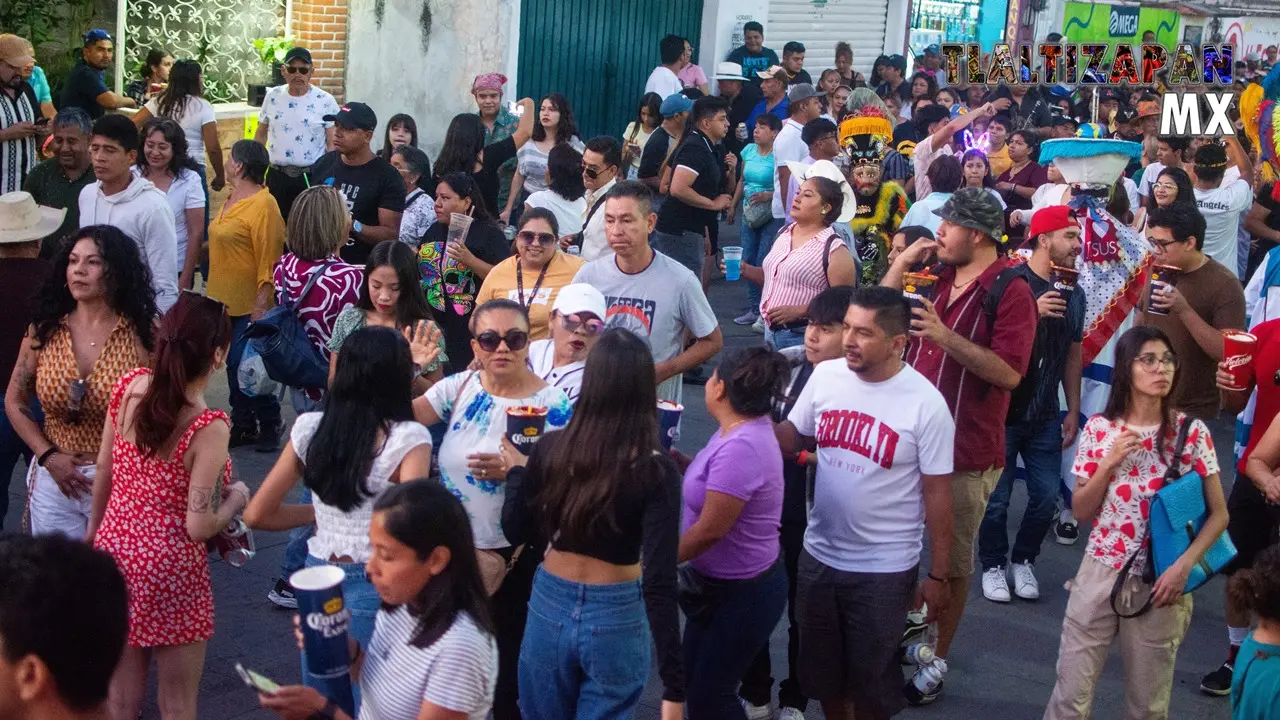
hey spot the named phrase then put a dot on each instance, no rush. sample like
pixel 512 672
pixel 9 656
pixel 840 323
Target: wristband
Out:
pixel 44 456
pixel 802 458
pixel 935 578
pixel 357 226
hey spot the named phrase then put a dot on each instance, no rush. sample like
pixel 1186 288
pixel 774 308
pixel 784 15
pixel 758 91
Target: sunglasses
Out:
pixel 293 70
pixel 591 172
pixel 529 237
pixel 592 326
pixel 489 340
pixel 75 401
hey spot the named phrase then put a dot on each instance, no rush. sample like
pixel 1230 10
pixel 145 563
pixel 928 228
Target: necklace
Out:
pixel 730 429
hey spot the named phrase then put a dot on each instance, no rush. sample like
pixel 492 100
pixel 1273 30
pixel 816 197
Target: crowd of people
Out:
pixel 908 259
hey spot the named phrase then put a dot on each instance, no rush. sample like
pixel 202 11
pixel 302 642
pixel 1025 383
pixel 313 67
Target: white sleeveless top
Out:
pixel 340 533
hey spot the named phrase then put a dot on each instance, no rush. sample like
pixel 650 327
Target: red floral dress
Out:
pixel 145 530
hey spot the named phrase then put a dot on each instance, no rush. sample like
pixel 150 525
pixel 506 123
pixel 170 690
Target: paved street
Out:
pixel 1002 667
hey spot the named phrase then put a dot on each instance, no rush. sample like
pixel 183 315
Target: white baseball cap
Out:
pixel 579 298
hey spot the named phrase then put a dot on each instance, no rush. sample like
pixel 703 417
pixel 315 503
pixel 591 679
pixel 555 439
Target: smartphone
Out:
pixel 257 681
pixel 42 120
pixel 515 108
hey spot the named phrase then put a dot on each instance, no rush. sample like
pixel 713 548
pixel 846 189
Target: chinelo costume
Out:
pixel 865 135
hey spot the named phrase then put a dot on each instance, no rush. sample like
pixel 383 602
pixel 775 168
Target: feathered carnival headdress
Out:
pixel 1263 125
pixel 866 132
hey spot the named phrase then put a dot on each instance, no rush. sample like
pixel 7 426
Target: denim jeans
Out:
pixel 1040 445
pixel 265 409
pixel 362 601
pixel 719 651
pixel 295 551
pixel 586 650
pixel 783 338
pixel 12 448
pixel 756 244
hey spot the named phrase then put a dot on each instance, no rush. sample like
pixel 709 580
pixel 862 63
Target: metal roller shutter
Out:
pixel 820 24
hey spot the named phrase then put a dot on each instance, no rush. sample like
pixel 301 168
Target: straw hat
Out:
pixel 22 220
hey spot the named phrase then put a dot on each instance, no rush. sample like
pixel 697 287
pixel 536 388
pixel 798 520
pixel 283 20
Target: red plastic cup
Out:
pixel 1237 351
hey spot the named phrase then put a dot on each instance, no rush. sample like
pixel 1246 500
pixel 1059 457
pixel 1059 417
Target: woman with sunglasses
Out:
pixel 93 325
pixel 608 499
pixel 162 490
pixel 1172 185
pixel 577 319
pixel 474 404
pixel 535 274
pixel 1126 454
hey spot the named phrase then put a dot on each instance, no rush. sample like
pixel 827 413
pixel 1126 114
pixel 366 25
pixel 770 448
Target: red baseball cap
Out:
pixel 1049 219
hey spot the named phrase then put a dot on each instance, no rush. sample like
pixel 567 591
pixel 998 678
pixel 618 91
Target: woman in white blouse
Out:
pixel 166 163
pixel 565 195
pixel 419 207
pixel 364 441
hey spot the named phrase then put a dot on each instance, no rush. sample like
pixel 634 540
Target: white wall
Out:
pixel 1250 35
pixel 395 67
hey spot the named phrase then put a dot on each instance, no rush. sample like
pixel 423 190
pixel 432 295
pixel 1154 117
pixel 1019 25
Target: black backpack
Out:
pixel 1020 397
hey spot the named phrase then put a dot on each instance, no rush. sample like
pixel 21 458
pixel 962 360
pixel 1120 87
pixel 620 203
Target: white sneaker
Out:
pixel 995 586
pixel 790 713
pixel 1025 585
pixel 756 712
pixel 758 326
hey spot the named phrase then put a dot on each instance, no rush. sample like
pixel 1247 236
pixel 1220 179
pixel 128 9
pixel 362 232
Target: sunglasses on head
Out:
pixel 294 70
pixel 75 401
pixel 529 237
pixel 591 325
pixel 489 340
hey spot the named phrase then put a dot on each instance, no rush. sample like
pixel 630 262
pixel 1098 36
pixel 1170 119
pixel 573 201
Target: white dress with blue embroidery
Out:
pixel 477 425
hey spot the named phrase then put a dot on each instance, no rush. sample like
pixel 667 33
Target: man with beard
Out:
pixel 881 205
pixel 84 86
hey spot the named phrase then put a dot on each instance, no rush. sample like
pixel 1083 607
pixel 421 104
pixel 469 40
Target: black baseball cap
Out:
pixel 354 116
pixel 298 53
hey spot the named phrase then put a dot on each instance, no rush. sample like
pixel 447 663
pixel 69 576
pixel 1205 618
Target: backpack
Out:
pixel 280 338
pixel 1020 397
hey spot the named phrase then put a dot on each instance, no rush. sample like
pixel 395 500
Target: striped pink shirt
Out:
pixel 795 277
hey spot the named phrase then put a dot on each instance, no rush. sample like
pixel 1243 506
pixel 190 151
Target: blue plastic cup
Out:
pixel 669 422
pixel 325 620
pixel 732 262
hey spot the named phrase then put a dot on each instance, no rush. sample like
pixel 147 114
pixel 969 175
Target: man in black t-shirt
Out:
pixel 675 113
pixel 698 187
pixel 84 87
pixel 793 63
pixel 373 188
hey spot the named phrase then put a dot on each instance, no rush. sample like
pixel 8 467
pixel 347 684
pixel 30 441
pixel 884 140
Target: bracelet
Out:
pixel 802 458
pixel 44 456
pixel 357 226
pixel 935 578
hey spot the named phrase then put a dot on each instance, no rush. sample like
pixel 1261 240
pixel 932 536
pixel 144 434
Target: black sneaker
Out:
pixel 1217 682
pixel 269 438
pixel 282 595
pixel 242 435
pixel 1066 532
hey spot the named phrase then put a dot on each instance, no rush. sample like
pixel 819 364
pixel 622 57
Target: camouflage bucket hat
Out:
pixel 977 209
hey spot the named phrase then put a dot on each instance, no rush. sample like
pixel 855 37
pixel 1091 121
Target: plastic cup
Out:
pixel 525 424
pixel 669 422
pixel 325 621
pixel 917 287
pixel 1161 274
pixel 459 224
pixel 732 262
pixel 1063 280
pixel 1238 349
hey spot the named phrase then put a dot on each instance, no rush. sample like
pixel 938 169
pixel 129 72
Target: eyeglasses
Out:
pixel 592 326
pixel 1151 361
pixel 75 401
pixel 489 340
pixel 529 237
pixel 295 70
pixel 1162 248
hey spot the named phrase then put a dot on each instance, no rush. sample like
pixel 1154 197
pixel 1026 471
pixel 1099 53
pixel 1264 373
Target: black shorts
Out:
pixel 1254 524
pixel 850 630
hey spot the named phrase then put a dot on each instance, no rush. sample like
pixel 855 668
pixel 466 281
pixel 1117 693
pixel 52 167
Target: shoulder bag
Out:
pixel 280 338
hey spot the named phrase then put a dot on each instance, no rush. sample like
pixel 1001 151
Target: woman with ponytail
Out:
pixel 162 489
pixel 1255 688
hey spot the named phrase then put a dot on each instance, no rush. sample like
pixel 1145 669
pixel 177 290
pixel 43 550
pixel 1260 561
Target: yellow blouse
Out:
pixel 501 283
pixel 245 241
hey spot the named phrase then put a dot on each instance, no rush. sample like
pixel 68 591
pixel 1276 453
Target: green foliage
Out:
pixel 272 50
pixel 53 27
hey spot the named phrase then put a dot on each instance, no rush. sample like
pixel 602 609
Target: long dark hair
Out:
pixel 128 280
pixel 190 332
pixel 147 68
pixel 408 123
pixel 566 130
pixel 1186 194
pixel 412 304
pixel 184 83
pixel 423 515
pixel 172 133
pixel 614 427
pixel 653 101
pixel 463 142
pixel 987 181
pixel 1127 349
pixel 564 165
pixel 465 186
pixel 372 389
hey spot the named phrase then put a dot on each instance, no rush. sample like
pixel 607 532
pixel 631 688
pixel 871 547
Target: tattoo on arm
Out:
pixel 26 381
pixel 201 499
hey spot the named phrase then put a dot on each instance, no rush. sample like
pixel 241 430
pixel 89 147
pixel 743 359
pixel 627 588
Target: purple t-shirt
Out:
pixel 745 464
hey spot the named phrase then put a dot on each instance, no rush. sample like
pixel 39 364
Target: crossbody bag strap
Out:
pixel 1172 472
pixel 312 279
pixel 458 396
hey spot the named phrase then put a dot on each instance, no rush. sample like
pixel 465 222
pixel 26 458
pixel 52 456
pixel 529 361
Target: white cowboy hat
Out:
pixel 827 169
pixel 22 220
pixel 729 71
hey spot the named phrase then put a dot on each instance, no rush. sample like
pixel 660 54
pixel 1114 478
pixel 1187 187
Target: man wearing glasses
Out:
pixel 1192 308
pixel 600 162
pixel 291 125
